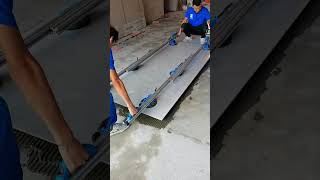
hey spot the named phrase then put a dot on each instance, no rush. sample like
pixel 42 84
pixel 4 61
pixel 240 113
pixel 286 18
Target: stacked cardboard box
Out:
pixel 129 16
pixel 153 9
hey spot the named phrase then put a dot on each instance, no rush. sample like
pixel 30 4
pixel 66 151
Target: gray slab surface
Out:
pixel 75 66
pixel 155 71
pixel 284 142
pixel 255 38
pixel 32 13
pixel 218 6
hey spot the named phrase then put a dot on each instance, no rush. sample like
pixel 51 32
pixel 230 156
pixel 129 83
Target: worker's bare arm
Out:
pixel 185 20
pixel 121 90
pixel 31 80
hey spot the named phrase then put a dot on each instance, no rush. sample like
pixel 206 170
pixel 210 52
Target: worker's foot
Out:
pixel 187 39
pixel 202 40
pixel 118 128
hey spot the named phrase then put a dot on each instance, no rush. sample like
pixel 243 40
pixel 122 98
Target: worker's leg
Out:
pixel 186 28
pixel 112 113
pixel 204 30
pixel 10 167
pixel 199 30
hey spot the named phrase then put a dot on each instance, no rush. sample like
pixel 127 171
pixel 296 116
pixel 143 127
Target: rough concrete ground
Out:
pixel 181 149
pixel 272 129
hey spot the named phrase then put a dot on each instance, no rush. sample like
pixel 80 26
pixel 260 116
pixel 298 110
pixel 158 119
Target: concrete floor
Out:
pixel 128 49
pixel 272 131
pixel 181 149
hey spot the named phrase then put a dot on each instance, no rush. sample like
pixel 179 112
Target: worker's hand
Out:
pixel 73 154
pixel 184 21
pixel 133 110
pixel 179 33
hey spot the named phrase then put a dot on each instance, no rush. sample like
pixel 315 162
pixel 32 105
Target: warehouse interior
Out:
pixel 165 137
pixel 58 32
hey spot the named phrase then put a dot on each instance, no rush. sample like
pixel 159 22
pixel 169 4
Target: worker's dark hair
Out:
pixel 114 33
pixel 196 2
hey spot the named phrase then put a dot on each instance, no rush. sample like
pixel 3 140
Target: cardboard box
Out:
pixel 127 16
pixel 153 10
pixel 171 5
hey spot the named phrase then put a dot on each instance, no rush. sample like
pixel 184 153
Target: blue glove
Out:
pixel 65 174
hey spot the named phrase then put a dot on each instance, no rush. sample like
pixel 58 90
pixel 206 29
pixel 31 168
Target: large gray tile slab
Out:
pixel 31 13
pixel 155 71
pixel 74 63
pixel 283 143
pixel 218 6
pixel 257 35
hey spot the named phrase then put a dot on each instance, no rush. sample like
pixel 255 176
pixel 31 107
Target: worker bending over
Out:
pixel 196 22
pixel 31 80
pixel 118 85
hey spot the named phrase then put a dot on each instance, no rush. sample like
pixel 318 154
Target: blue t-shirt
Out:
pixel 9 154
pixel 10 167
pixel 197 19
pixel 6 14
pixel 112 112
pixel 111 64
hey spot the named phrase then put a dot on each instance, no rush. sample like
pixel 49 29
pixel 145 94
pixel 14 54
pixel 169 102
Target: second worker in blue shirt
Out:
pixel 196 22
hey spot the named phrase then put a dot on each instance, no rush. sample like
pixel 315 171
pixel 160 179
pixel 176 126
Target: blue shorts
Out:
pixel 10 168
pixel 6 15
pixel 112 112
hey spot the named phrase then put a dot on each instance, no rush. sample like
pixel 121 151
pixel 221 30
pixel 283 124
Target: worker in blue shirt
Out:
pixel 196 22
pixel 117 84
pixel 31 80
